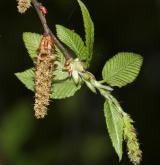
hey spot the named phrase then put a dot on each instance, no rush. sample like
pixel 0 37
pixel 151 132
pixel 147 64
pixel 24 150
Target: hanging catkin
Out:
pixel 43 76
pixel 23 5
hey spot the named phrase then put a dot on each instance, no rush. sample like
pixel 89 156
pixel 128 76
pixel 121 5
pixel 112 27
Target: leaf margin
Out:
pixel 121 79
pixel 109 110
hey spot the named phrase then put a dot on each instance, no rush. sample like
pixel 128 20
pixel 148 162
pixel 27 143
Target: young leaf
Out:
pixel 114 122
pixel 122 69
pixel 60 89
pixel 89 29
pixel 73 41
pixel 32 42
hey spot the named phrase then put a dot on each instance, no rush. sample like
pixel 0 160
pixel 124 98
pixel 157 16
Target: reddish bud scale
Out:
pixel 43 10
pixel 43 76
pixel 67 66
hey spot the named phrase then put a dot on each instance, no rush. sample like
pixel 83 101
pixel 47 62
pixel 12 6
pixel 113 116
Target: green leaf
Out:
pixel 60 89
pixel 32 42
pixel 64 89
pixel 27 78
pixel 58 73
pixel 73 41
pixel 89 29
pixel 59 56
pixel 122 69
pixel 115 124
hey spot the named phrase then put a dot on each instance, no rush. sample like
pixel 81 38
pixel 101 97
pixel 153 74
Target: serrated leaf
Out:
pixel 60 89
pixel 64 89
pixel 122 69
pixel 27 78
pixel 32 42
pixel 89 29
pixel 59 56
pixel 73 41
pixel 115 124
pixel 58 73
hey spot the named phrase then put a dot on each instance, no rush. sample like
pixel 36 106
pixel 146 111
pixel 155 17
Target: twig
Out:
pixel 66 53
pixel 47 30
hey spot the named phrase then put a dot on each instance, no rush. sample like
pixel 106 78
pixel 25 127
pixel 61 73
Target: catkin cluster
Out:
pixel 43 77
pixel 23 5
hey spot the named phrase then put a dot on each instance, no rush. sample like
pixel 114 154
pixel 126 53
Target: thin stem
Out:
pixel 61 47
pixel 102 81
pixel 47 30
pixel 42 18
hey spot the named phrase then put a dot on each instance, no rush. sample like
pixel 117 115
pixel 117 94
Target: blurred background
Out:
pixel 74 132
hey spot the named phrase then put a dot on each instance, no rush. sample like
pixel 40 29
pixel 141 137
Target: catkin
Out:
pixel 134 152
pixel 23 5
pixel 43 78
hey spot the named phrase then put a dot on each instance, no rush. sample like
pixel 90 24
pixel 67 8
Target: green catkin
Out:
pixel 23 5
pixel 134 152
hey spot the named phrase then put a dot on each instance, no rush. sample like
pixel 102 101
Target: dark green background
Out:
pixel 74 132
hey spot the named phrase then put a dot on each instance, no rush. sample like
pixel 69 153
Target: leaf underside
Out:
pixel 122 69
pixel 115 124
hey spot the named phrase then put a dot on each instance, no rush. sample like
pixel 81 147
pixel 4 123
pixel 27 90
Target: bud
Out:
pixel 134 152
pixel 43 10
pixel 91 86
pixel 100 86
pixel 78 65
pixel 23 5
pixel 75 77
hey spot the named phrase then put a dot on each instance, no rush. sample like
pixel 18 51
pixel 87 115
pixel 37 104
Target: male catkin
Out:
pixel 43 76
pixel 23 5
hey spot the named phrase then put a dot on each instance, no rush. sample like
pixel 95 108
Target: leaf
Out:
pixel 27 78
pixel 58 73
pixel 73 41
pixel 32 42
pixel 115 124
pixel 64 89
pixel 122 69
pixel 60 89
pixel 59 55
pixel 89 29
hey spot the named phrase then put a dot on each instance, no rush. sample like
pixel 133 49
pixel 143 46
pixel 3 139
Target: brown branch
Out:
pixel 47 30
